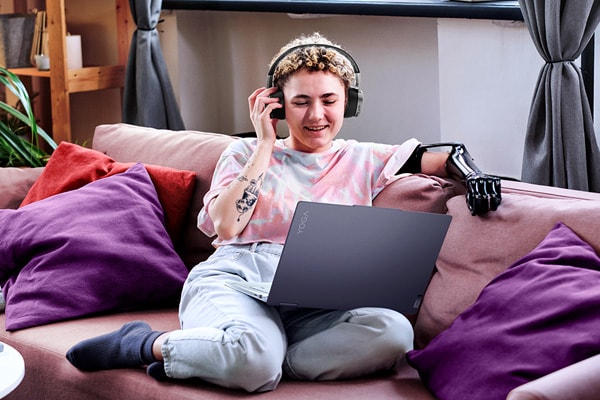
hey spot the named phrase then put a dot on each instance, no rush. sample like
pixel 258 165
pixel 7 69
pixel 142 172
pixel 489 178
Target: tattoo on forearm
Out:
pixel 250 195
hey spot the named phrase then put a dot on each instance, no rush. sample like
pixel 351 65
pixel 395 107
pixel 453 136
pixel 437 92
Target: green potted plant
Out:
pixel 22 141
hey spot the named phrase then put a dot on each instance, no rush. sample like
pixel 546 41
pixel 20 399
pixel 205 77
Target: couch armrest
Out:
pixel 578 381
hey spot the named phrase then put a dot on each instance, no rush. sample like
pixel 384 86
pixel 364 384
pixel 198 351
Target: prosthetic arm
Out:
pixel 483 191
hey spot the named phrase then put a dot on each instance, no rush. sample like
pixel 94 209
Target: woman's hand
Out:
pixel 261 105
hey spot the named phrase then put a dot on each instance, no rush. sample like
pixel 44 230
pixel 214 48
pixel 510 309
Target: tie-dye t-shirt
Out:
pixel 350 173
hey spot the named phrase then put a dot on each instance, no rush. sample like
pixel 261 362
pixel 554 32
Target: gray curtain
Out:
pixel 560 144
pixel 148 98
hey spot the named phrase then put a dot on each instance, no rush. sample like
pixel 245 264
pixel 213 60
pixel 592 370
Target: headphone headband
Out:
pixel 300 46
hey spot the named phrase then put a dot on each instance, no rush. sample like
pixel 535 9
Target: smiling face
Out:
pixel 314 109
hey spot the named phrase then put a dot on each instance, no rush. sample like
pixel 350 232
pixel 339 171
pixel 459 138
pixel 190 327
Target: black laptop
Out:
pixel 345 257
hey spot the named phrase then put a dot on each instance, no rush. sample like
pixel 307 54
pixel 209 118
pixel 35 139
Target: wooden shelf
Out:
pixel 30 72
pixel 64 81
pixel 85 79
pixel 96 78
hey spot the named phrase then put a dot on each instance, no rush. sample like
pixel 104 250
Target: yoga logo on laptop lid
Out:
pixel 303 221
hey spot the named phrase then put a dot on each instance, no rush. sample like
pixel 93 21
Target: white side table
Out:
pixel 12 369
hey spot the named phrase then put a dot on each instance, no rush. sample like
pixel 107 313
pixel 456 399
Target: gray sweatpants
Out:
pixel 235 341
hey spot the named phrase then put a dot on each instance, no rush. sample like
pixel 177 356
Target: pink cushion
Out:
pixel 477 249
pixel 15 183
pixel 418 192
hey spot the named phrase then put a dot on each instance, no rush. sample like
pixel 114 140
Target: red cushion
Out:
pixel 72 166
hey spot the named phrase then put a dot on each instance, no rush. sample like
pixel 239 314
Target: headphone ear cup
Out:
pixel 354 104
pixel 278 113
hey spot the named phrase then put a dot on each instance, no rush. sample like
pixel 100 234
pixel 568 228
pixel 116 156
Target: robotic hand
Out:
pixel 483 191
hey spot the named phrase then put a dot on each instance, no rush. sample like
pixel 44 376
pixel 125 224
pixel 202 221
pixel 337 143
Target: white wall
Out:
pixel 488 71
pixel 224 56
pixel 437 80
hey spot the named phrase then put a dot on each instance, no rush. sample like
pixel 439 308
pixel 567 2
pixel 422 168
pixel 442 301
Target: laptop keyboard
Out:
pixel 257 287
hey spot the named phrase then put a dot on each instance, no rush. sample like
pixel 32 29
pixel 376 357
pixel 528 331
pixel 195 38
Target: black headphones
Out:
pixel 354 97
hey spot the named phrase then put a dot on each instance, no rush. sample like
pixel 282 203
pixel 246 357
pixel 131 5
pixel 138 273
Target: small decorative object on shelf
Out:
pixel 42 62
pixel 16 34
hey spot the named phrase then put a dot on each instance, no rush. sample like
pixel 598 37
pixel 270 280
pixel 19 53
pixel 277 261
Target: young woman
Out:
pixel 228 338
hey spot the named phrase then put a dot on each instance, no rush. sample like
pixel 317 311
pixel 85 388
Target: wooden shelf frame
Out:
pixel 64 81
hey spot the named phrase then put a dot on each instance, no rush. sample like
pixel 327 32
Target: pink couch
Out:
pixel 476 250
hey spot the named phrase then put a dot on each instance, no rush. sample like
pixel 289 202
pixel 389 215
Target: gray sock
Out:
pixel 130 346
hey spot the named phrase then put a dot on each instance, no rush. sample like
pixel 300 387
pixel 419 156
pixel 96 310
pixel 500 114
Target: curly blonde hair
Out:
pixel 313 58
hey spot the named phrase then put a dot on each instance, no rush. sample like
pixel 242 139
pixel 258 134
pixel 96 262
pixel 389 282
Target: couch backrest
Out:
pixel 187 150
pixel 15 183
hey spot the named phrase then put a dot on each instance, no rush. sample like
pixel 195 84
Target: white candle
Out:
pixel 74 52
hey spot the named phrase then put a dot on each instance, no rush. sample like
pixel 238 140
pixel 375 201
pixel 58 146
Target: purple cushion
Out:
pixel 540 315
pixel 96 249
